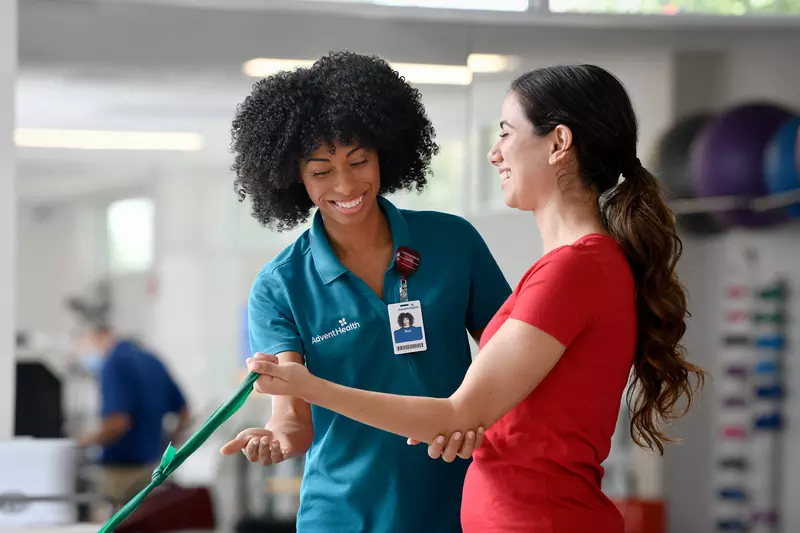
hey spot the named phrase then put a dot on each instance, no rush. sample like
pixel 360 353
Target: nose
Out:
pixel 494 156
pixel 346 183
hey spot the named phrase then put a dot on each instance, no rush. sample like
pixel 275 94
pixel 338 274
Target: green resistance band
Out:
pixel 173 458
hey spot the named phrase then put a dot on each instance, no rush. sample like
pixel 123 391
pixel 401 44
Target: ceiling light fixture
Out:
pixel 261 67
pixel 107 140
pixel 424 74
pixel 491 63
pixel 418 73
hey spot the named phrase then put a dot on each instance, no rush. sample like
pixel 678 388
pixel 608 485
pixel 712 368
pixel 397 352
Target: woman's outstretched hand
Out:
pixel 280 379
pixel 458 445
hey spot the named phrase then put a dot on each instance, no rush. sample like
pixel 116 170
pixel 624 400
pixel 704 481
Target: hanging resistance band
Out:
pixel 173 458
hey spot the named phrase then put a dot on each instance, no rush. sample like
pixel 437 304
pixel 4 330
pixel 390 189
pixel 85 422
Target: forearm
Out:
pixel 418 418
pixel 110 430
pixel 287 410
pixel 510 367
pixel 290 414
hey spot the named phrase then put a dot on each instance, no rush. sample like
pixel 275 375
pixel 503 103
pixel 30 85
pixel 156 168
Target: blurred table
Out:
pixel 71 528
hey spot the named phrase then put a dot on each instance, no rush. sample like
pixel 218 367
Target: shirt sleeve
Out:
pixel 562 296
pixel 115 398
pixel 176 399
pixel 488 287
pixel 271 324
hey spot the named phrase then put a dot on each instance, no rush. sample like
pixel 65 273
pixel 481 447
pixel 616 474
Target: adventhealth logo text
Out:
pixel 344 327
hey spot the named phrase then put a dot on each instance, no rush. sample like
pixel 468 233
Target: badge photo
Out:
pixel 407 327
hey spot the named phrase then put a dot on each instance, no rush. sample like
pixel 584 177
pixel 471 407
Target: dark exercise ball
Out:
pixel 782 162
pixel 727 159
pixel 672 168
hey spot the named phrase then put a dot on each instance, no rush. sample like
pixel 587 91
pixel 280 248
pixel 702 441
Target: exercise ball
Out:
pixel 727 159
pixel 672 168
pixel 782 162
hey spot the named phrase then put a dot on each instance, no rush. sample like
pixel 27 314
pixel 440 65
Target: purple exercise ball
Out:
pixel 727 159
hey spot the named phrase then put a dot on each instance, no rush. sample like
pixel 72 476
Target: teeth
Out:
pixel 351 204
pixel 506 174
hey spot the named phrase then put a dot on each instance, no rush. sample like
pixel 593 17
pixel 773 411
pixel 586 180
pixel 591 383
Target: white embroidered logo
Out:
pixel 344 327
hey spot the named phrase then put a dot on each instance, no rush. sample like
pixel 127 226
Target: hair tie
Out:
pixel 631 168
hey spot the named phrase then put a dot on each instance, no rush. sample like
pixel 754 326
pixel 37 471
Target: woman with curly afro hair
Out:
pixel 336 139
pixel 602 306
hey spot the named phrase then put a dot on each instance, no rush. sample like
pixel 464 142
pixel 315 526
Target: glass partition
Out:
pixel 677 7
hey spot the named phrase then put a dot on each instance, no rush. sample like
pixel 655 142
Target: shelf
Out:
pixel 735 203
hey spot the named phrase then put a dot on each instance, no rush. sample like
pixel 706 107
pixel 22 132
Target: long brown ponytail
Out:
pixel 595 106
pixel 636 214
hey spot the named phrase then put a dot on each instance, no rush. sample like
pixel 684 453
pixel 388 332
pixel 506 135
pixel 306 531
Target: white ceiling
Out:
pixel 171 65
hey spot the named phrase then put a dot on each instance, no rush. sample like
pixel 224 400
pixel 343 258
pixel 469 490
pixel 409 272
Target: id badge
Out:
pixel 408 330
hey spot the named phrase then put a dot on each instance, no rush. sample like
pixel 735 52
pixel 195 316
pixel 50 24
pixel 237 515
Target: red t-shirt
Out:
pixel 538 470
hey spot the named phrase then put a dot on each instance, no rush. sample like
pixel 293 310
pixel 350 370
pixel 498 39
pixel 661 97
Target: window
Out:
pixel 677 7
pixel 130 234
pixel 478 5
pixel 444 191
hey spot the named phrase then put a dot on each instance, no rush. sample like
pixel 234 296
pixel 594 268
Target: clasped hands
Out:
pixel 294 379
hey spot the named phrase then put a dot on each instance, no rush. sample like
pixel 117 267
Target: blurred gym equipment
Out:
pixel 727 159
pixel 672 168
pixel 782 162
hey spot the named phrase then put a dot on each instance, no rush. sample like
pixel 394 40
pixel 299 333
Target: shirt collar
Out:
pixel 328 265
pixel 119 346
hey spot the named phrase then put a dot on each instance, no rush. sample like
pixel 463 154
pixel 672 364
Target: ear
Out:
pixel 562 142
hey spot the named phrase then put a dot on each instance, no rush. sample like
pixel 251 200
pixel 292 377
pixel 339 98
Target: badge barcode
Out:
pixel 408 347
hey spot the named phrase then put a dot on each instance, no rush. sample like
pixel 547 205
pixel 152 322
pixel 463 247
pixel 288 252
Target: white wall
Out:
pixel 55 260
pixel 8 198
pixel 513 239
pixel 61 253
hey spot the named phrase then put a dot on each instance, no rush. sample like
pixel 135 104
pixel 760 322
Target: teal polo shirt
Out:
pixel 358 478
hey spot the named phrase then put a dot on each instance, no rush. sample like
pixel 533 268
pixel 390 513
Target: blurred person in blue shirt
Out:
pixel 136 393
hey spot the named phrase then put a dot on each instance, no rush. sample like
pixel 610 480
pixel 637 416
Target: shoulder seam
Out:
pixel 271 267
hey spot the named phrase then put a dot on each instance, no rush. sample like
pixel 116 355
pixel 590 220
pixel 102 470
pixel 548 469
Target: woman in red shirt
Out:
pixel 555 360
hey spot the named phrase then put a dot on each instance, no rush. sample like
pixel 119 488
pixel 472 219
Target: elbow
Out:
pixel 465 417
pixel 118 424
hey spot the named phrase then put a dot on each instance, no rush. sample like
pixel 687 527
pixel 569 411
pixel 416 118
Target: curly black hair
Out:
pixel 401 316
pixel 344 97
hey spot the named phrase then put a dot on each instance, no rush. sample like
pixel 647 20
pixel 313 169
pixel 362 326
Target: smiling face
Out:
pixel 343 182
pixel 526 162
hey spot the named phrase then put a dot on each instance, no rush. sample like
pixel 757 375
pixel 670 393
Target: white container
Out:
pixel 38 467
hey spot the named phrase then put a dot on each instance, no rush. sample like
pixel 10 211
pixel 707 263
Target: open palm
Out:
pixel 272 444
